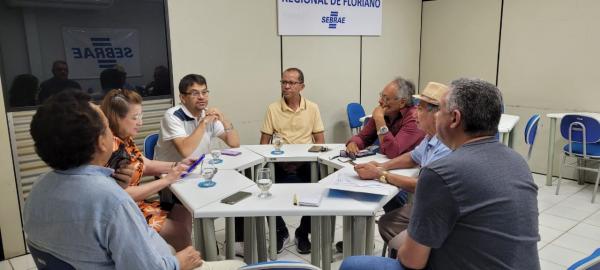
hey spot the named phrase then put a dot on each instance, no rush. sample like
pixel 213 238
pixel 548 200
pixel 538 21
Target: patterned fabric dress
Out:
pixel 155 216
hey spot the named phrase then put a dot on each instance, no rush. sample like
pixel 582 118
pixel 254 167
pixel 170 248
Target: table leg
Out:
pixel 315 237
pixel 261 241
pixel 323 170
pixel 249 245
pixel 229 238
pixel 314 174
pixel 271 166
pixel 369 237
pixel 506 138
pixel 272 239
pixel 358 235
pixel 198 235
pixel 326 240
pixel 550 162
pixel 347 238
pixel 210 243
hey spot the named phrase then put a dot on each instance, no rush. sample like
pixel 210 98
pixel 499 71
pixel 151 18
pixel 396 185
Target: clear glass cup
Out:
pixel 264 182
pixel 277 142
pixel 216 156
pixel 207 172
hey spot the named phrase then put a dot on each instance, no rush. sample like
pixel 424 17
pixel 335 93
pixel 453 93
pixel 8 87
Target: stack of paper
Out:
pixel 348 180
pixel 310 199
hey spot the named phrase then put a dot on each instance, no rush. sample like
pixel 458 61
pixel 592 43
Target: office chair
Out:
pixel 355 111
pixel 46 261
pixel 149 143
pixel 583 143
pixel 530 132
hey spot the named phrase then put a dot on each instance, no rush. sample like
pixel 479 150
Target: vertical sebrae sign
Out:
pixel 90 50
pixel 329 17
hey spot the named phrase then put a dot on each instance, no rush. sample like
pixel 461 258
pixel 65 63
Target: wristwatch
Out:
pixel 383 177
pixel 382 131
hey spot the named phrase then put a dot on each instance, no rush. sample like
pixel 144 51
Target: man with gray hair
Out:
pixel 477 207
pixel 393 122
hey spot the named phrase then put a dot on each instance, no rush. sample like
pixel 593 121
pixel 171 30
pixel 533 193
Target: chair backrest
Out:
pixel 531 129
pixel 46 261
pixel 580 128
pixel 281 265
pixel 149 143
pixel 591 262
pixel 355 112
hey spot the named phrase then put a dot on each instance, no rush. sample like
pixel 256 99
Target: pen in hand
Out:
pixel 193 166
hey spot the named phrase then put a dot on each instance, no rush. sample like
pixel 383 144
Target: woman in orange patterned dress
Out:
pixel 123 108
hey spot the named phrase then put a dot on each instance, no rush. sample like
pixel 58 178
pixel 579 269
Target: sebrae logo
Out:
pixel 102 50
pixel 333 20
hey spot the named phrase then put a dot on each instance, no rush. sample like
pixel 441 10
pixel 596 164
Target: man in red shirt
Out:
pixel 393 122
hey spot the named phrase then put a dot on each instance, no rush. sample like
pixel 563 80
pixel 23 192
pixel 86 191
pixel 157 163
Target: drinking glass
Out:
pixel 264 182
pixel 216 157
pixel 207 172
pixel 277 142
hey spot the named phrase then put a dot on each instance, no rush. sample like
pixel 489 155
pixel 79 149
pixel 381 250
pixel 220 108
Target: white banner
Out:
pixel 329 17
pixel 91 50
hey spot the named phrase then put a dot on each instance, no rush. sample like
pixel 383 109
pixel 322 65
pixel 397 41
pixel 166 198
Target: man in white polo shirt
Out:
pixel 187 129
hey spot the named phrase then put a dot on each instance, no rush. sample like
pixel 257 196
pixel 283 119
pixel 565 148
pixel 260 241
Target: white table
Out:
pixel 553 117
pixel 293 153
pixel 505 126
pixel 246 160
pixel 281 204
pixel 194 198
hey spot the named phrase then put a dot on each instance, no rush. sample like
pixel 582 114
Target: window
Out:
pixel 92 45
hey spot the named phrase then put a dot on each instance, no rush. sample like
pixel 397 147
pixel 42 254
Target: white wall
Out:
pixel 145 16
pixel 460 39
pixel 549 63
pixel 242 56
pixel 10 216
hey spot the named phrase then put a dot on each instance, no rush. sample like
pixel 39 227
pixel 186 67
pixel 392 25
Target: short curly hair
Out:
pixel 66 129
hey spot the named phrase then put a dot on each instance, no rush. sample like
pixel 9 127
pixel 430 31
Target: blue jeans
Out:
pixel 370 262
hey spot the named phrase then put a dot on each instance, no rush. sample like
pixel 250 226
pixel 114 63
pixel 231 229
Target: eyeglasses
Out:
pixel 386 99
pixel 203 93
pixel 137 117
pixel 289 83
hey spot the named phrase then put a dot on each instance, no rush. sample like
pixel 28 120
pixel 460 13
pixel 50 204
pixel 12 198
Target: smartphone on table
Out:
pixel 236 197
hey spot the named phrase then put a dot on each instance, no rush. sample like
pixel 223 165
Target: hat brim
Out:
pixel 427 99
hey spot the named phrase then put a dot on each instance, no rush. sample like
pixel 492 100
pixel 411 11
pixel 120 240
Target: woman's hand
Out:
pixel 123 174
pixel 175 173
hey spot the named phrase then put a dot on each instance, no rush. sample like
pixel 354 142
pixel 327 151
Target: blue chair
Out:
pixel 530 132
pixel 583 143
pixel 149 143
pixel 591 262
pixel 355 111
pixel 46 261
pixel 281 265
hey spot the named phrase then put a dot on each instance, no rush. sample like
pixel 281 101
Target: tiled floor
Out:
pixel 569 229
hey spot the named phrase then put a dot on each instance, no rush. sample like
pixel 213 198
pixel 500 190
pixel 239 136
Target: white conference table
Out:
pixel 362 207
pixel 294 153
pixel 505 126
pixel 551 143
pixel 194 197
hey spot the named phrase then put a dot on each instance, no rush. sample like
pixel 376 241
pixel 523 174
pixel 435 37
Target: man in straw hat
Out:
pixel 429 150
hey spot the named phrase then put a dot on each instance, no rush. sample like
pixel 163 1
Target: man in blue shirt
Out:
pixel 77 212
pixel 430 149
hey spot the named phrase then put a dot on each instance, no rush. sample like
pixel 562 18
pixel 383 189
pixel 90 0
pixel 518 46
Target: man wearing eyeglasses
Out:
pixel 393 122
pixel 297 121
pixel 187 129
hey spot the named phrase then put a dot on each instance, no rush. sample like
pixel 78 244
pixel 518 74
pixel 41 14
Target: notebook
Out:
pixel 312 199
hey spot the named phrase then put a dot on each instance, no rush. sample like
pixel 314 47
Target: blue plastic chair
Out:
pixel 281 265
pixel 530 132
pixel 149 143
pixel 583 143
pixel 46 261
pixel 355 111
pixel 591 262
